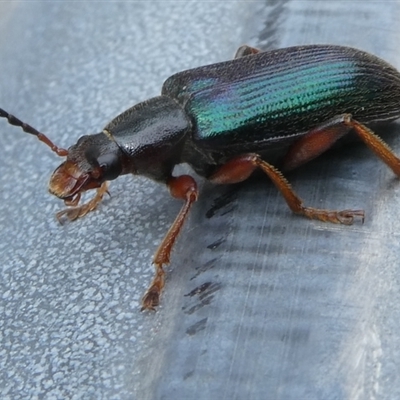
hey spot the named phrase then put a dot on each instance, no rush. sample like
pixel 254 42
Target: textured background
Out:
pixel 259 304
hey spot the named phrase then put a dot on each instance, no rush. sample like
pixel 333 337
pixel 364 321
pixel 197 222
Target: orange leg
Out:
pixel 246 50
pixel 324 136
pixel 377 145
pixel 80 211
pixel 241 167
pixel 315 142
pixel 182 187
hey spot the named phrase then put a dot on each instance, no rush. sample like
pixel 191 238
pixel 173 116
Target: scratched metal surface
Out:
pixel 259 304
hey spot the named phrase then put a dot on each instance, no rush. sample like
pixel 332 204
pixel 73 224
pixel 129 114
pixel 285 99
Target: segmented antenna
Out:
pixel 29 129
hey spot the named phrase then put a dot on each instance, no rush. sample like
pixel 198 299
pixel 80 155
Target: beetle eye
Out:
pixel 110 165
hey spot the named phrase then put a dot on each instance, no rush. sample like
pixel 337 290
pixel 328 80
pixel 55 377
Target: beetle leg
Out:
pixel 324 136
pixel 315 142
pixel 77 212
pixel 185 188
pixel 376 144
pixel 240 168
pixel 245 50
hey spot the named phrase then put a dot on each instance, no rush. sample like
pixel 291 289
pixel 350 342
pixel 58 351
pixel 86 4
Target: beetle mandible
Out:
pixel 282 107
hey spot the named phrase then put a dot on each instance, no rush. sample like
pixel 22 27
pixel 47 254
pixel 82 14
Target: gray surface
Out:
pixel 259 304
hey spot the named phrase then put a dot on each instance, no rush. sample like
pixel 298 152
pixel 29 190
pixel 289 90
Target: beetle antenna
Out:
pixel 29 129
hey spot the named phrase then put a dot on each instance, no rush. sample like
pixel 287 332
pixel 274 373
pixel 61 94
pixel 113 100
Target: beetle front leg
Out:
pixel 240 168
pixel 80 211
pixel 183 187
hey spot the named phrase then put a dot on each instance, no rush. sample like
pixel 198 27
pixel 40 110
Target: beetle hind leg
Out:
pixel 240 168
pixel 321 138
pixel 80 211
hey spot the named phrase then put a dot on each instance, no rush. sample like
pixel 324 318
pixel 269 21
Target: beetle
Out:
pixel 258 111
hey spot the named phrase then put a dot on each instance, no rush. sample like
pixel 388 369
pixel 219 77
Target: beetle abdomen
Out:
pixel 284 92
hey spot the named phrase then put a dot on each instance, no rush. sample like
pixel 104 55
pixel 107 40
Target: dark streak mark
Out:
pixel 222 201
pixel 197 327
pixel 268 37
pixel 205 296
pixel 296 336
pixel 200 289
pixel 216 244
pixel 211 289
pixel 188 375
pixel 205 267
pixel 229 210
pixel 204 302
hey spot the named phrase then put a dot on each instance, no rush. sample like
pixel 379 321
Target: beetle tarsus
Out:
pixel 74 213
pixel 345 217
pixel 151 298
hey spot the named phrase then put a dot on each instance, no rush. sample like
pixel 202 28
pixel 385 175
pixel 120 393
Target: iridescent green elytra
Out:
pixel 284 92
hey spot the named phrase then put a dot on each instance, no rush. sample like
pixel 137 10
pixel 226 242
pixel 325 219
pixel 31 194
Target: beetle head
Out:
pixel 90 162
